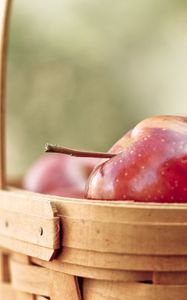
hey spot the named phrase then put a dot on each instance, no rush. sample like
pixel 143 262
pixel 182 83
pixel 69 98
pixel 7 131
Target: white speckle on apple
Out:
pixel 139 182
pixel 162 140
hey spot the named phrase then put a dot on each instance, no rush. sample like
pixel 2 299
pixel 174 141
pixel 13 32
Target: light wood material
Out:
pixel 24 296
pixel 108 211
pixel 128 238
pixel 26 248
pixel 4 20
pixel 124 229
pixel 96 273
pixel 41 281
pixel 176 278
pixel 95 232
pixel 30 279
pixel 27 203
pixel 64 286
pixel 7 292
pixel 118 261
pixel 24 260
pixel 28 225
pixel 40 231
pixel 101 290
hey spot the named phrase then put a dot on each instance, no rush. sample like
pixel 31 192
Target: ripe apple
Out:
pixel 151 164
pixel 60 175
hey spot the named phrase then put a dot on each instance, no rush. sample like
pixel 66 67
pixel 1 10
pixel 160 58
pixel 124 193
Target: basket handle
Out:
pixel 4 22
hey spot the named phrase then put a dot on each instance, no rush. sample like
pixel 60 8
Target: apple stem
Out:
pixel 77 153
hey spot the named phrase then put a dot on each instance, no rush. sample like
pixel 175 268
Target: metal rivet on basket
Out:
pixel 41 231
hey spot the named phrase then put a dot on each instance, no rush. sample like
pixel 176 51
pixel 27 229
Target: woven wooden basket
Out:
pixel 56 248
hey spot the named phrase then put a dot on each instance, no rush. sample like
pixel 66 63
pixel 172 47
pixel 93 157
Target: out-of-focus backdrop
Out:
pixel 81 73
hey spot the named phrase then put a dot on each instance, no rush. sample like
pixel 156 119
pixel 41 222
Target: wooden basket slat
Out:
pixel 102 290
pixel 124 237
pixel 167 278
pixel 27 248
pixel 39 231
pixel 118 261
pixel 17 200
pixel 28 225
pixel 7 292
pixel 42 281
pixel 95 273
pixel 64 286
pixel 124 212
pixel 25 260
pixel 135 238
pixel 24 296
pixel 31 279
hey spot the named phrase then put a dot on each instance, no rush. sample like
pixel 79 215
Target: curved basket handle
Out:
pixel 4 22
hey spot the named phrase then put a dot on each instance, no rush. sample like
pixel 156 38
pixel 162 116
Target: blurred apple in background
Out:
pixel 60 175
pixel 152 166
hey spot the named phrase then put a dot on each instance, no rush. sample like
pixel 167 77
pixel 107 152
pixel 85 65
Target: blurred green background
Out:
pixel 81 73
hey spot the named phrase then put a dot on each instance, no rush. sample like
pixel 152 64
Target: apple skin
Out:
pixel 152 167
pixel 58 174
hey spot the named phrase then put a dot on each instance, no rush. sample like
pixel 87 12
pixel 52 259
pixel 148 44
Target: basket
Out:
pixel 72 249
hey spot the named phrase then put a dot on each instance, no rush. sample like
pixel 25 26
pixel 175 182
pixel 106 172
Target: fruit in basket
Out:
pixel 60 175
pixel 151 167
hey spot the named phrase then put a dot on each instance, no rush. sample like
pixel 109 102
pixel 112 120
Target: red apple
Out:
pixel 60 175
pixel 151 167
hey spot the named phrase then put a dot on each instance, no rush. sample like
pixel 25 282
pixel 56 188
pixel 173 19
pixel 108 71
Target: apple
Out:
pixel 60 175
pixel 150 165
